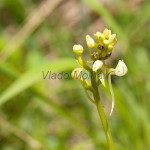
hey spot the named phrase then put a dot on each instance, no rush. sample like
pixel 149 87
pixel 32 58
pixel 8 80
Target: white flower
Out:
pixel 78 49
pixel 90 42
pixel 97 65
pixel 121 68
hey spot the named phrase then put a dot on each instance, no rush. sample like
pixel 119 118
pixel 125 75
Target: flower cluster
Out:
pixel 103 47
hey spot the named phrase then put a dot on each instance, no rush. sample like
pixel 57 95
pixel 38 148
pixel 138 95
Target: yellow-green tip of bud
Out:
pixel 106 33
pixel 99 36
pixel 97 65
pixel 77 74
pixel 90 42
pixel 112 38
pixel 78 49
pixel 110 47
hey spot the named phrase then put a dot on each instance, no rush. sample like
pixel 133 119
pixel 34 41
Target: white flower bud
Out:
pixel 97 65
pixel 78 49
pixel 121 68
pixel 77 74
pixel 90 42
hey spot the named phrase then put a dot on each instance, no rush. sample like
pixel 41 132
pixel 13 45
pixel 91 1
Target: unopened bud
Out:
pixel 97 65
pixel 99 36
pixel 76 74
pixel 121 68
pixel 106 32
pixel 112 38
pixel 90 42
pixel 78 49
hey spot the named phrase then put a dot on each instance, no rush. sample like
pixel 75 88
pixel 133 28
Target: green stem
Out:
pixel 91 54
pixel 101 113
pixel 89 96
pixel 104 121
pixel 83 64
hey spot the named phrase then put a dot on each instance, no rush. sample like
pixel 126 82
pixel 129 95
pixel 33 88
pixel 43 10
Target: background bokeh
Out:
pixel 36 36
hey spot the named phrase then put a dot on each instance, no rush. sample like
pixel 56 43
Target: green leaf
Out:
pixel 31 77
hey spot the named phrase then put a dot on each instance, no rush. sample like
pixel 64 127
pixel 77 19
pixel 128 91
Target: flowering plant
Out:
pixel 103 49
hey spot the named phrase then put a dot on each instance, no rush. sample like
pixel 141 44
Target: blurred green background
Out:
pixel 37 36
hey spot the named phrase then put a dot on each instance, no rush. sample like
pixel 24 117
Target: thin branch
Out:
pixel 89 96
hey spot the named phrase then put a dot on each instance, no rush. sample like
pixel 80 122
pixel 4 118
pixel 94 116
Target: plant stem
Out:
pixel 101 113
pixel 104 121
